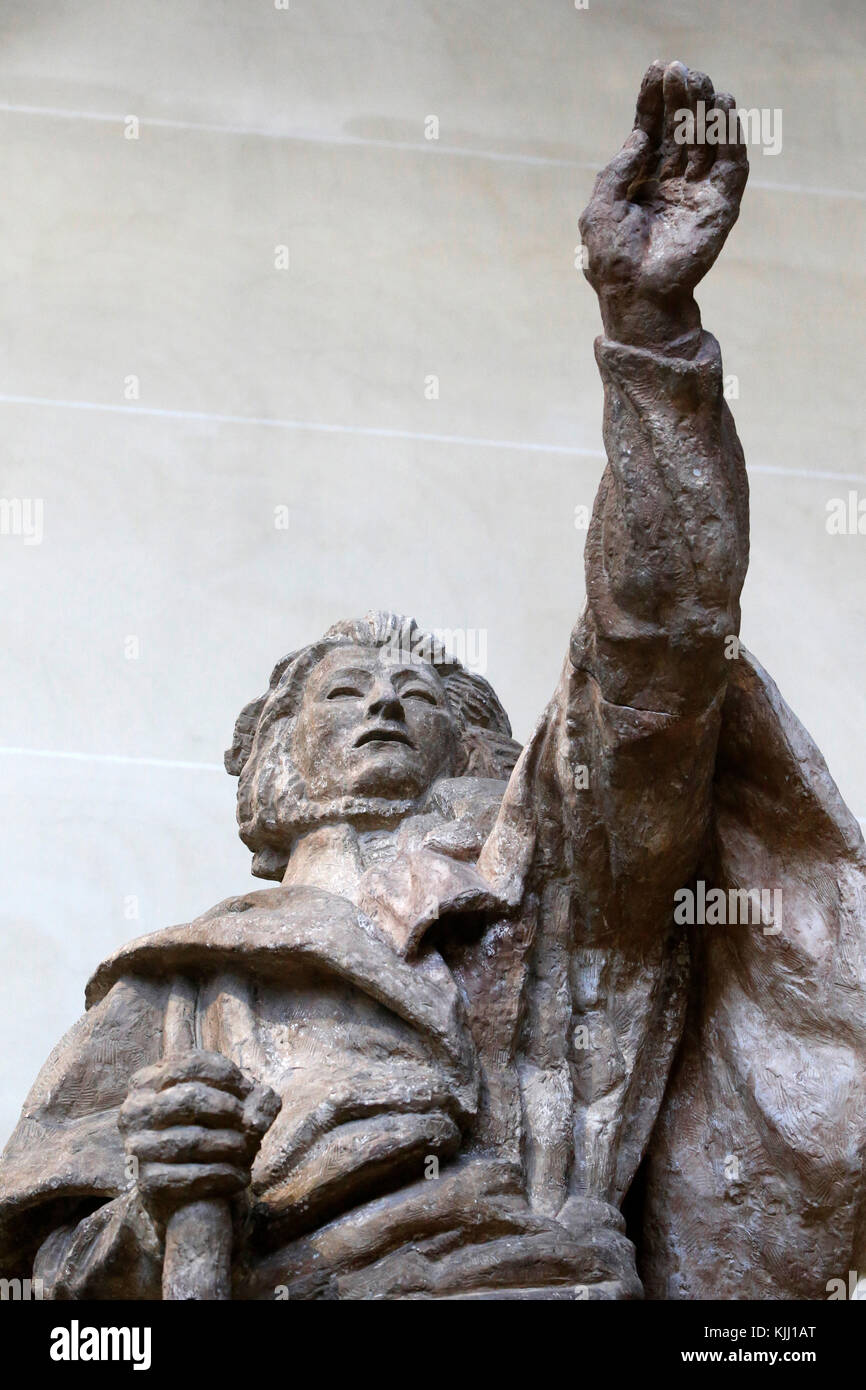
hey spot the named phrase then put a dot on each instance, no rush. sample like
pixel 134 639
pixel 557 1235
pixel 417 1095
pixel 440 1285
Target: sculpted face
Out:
pixel 368 726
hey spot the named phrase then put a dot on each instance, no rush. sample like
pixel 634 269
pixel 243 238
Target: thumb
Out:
pixel 616 178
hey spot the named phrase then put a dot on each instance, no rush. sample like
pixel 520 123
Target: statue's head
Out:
pixel 358 727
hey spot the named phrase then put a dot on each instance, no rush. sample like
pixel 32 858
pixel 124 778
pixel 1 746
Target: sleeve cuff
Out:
pixel 660 375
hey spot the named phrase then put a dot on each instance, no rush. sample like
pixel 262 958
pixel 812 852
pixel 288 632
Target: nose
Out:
pixel 385 703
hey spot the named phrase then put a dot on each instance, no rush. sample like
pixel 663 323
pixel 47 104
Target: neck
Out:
pixel 335 857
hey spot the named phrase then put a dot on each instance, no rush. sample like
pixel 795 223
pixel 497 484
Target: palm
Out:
pixel 661 210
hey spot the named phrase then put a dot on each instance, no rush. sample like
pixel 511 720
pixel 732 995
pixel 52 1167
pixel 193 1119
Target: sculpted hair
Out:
pixel 273 805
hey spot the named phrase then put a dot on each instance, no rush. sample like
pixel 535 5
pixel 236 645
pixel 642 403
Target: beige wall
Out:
pixel 304 388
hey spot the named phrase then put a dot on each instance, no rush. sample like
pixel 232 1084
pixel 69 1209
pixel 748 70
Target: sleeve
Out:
pixel 665 560
pixel 607 812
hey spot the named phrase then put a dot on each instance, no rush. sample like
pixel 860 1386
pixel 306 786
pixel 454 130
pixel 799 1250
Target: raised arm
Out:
pixel 667 548
pixel 665 560
pixel 611 801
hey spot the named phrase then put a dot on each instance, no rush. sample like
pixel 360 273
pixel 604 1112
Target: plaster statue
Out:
pixel 473 1041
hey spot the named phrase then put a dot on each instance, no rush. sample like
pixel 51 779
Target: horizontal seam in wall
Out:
pixel 316 426
pixel 139 762
pixel 361 142
pixel 380 432
pixel 121 758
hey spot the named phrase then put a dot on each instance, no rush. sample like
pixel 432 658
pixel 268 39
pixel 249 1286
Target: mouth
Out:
pixel 384 736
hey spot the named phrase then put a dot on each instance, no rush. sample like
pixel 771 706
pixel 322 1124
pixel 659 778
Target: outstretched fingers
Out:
pixel 731 167
pixel 649 110
pixel 677 106
pixel 700 153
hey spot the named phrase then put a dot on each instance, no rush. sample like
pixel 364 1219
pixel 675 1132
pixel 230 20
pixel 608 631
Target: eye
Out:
pixel 344 692
pixel 417 692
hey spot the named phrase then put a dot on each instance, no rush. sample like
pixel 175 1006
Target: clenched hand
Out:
pixel 194 1124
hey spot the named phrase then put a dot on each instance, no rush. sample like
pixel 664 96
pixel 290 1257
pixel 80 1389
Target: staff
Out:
pixel 198 1237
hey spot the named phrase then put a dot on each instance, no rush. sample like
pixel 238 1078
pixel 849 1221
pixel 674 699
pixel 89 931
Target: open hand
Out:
pixel 662 208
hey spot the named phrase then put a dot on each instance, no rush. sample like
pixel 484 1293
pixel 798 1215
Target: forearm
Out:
pixel 666 551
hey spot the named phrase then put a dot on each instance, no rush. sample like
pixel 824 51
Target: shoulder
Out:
pixel 247 924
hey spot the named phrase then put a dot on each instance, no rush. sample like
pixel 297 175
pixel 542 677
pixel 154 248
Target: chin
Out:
pixel 387 775
pixel 387 788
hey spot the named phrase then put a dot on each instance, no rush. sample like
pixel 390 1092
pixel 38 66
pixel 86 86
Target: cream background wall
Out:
pixel 304 389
